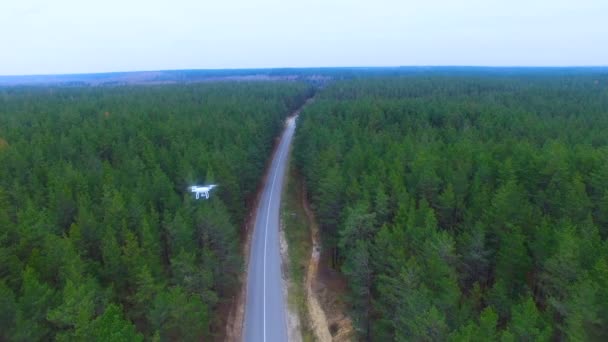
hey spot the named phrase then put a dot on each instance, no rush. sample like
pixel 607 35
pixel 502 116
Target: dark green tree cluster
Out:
pixel 99 238
pixel 465 208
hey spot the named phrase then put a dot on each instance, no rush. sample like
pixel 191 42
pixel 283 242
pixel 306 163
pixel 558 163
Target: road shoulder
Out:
pixel 315 290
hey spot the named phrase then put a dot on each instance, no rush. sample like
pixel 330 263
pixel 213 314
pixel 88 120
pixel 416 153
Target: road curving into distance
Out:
pixel 265 310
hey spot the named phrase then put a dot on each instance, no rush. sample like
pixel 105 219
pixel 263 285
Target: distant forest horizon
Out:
pixel 272 74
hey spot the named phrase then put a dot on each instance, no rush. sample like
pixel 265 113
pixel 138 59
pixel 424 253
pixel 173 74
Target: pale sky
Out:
pixel 68 36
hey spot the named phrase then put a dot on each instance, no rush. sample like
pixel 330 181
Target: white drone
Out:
pixel 202 191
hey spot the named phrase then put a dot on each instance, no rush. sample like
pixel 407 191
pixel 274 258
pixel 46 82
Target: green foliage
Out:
pixel 30 320
pixel 77 307
pixel 111 326
pixel 484 330
pixel 527 324
pixel 466 207
pixel 178 316
pixel 99 237
pixel 9 310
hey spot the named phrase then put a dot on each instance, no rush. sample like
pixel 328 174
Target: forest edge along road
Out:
pixel 265 310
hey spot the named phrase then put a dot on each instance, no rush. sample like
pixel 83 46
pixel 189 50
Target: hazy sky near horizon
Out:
pixel 68 36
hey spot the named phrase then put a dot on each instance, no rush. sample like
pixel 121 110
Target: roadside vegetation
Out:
pixel 99 237
pixel 465 207
pixel 297 233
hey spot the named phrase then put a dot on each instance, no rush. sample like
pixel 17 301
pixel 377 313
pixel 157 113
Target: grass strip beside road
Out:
pixel 298 237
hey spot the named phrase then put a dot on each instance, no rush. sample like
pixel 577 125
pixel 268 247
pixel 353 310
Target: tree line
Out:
pixel 465 207
pixel 99 237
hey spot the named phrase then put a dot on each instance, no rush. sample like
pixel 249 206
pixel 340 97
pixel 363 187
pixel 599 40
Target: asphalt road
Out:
pixel 265 316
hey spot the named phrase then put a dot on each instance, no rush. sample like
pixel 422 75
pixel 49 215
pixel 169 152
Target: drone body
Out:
pixel 202 191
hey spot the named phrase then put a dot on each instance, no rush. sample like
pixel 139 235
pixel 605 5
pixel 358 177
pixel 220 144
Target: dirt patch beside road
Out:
pixel 318 320
pixel 294 327
pixel 324 289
